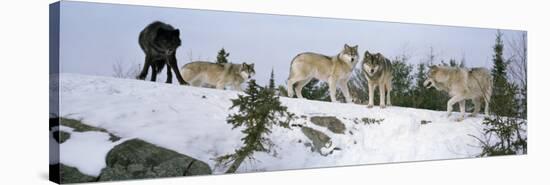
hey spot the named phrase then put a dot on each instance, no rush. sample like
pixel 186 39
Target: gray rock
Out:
pixel 137 159
pixel 318 139
pixel 70 174
pixel 330 122
pixel 369 121
pixel 78 126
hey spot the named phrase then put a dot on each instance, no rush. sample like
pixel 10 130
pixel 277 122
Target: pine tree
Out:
pixel 258 111
pixel 282 91
pixel 503 99
pixel 419 92
pixel 272 80
pixel 402 81
pixel 222 57
pixel 505 125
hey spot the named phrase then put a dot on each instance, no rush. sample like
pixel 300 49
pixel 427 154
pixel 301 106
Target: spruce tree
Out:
pixel 402 80
pixel 505 125
pixel 222 56
pixel 258 111
pixel 282 91
pixel 272 80
pixel 503 99
pixel 419 92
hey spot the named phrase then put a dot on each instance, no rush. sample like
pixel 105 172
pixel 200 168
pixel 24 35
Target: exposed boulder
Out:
pixel 68 174
pixel 330 122
pixel 137 159
pixel 78 126
pixel 318 139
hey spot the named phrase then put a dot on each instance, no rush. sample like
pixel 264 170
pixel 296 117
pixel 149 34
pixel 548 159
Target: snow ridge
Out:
pixel 192 121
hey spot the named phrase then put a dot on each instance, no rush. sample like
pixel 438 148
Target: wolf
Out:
pixel 199 73
pixel 379 73
pixel 159 42
pixel 461 84
pixel 336 70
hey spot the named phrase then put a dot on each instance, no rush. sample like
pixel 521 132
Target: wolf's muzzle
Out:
pixel 428 83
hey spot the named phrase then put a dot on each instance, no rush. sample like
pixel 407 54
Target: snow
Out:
pixel 86 150
pixel 192 121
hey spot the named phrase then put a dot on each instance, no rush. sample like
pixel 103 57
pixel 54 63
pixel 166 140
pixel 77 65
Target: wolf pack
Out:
pixel 159 41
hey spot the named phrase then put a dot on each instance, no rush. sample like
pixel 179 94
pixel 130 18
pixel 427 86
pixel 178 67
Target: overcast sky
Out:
pixel 96 36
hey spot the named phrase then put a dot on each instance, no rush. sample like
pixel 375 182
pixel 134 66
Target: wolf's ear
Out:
pixel 252 65
pixel 355 47
pixel 367 53
pixel 243 64
pixel 346 46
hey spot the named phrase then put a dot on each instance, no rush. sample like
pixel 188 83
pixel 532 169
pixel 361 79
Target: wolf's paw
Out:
pixel 472 115
pixel 459 119
pixel 382 106
pixel 370 106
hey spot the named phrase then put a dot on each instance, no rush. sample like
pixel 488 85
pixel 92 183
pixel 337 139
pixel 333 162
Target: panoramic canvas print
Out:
pixel 148 92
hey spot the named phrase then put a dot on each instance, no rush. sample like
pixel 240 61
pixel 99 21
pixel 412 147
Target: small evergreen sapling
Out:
pixel 221 58
pixel 272 80
pixel 258 111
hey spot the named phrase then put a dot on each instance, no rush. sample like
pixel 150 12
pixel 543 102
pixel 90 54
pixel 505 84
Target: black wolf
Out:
pixel 159 41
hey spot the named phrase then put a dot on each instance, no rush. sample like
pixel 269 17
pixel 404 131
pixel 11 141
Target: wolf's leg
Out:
pixel 382 91
pixel 388 98
pixel 154 72
pixel 371 95
pixel 477 106
pixel 487 101
pixel 195 82
pixel 462 105
pixel 345 90
pixel 168 75
pixel 332 88
pixel 173 63
pixel 220 85
pixel 300 86
pixel 290 87
pixel 452 102
pixel 143 74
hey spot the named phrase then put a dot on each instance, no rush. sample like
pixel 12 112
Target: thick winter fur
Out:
pixel 159 41
pixel 219 75
pixel 379 73
pixel 335 70
pixel 461 84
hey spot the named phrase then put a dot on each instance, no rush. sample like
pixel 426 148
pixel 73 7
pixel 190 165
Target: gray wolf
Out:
pixel 379 73
pixel 159 42
pixel 461 84
pixel 335 70
pixel 219 75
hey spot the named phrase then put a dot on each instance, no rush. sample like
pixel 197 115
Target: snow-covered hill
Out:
pixel 192 121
